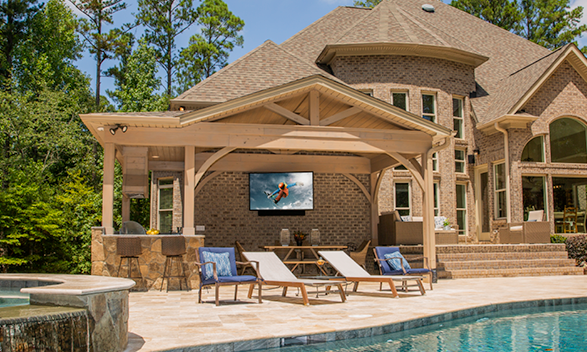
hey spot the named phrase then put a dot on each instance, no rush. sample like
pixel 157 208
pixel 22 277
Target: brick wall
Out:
pixel 417 75
pixel 341 212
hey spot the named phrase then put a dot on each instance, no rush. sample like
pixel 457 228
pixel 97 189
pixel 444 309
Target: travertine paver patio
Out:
pixel 169 321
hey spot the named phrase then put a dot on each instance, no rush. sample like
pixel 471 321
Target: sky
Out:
pixel 275 20
pixel 300 188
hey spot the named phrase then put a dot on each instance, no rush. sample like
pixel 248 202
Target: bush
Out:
pixel 577 248
pixel 557 239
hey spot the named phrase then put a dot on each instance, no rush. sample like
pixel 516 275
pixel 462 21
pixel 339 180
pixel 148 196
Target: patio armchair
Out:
pixel 351 271
pixel 394 231
pixel 383 256
pixel 217 267
pixel 532 231
pixel 360 256
pixel 274 272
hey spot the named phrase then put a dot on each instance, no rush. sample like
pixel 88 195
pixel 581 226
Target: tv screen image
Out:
pixel 281 191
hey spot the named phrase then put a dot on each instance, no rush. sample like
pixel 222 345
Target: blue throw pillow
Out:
pixel 394 261
pixel 222 261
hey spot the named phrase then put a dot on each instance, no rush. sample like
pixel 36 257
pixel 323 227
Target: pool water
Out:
pixel 559 329
pixel 13 297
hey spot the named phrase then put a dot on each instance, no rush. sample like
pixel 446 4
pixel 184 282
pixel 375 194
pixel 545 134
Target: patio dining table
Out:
pixel 301 255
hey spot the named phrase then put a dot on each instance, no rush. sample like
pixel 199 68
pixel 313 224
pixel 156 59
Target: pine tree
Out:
pixel 165 20
pixel 502 13
pixel 207 52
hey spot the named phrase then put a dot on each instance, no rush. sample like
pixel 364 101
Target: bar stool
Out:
pixel 129 248
pixel 173 248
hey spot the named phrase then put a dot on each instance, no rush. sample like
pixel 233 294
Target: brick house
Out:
pixel 422 109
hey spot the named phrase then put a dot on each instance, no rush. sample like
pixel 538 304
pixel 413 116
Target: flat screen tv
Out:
pixel 281 191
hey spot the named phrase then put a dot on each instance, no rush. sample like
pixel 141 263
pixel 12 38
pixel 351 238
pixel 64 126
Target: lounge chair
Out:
pixel 352 271
pixel 223 272
pixel 274 272
pixel 386 269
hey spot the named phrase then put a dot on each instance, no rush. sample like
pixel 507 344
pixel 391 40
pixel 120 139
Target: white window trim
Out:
pixel 464 161
pixel 436 185
pixel 462 118
pixel 369 92
pixel 401 92
pixel 409 208
pixel 435 158
pixel 496 191
pixel 159 188
pixel 463 231
pixel 435 115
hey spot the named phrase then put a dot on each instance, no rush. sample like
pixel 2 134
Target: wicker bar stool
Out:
pixel 173 248
pixel 129 248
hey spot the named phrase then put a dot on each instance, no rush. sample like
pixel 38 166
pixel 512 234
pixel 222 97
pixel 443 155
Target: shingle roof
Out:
pixel 513 67
pixel 266 66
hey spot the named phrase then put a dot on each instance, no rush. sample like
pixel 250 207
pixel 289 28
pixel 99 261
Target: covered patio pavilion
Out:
pixel 311 124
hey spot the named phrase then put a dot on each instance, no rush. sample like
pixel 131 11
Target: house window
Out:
pixel 457 115
pixel 500 193
pixel 429 107
pixel 462 208
pixel 435 161
pixel 460 160
pixel 533 194
pixel 400 99
pixel 568 141
pixel 369 92
pixel 165 206
pixel 534 150
pixel 402 198
pixel 436 199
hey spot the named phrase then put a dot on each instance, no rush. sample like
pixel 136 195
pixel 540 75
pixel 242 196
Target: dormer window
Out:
pixel 400 100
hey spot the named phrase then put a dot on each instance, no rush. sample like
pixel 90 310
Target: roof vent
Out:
pixel 428 8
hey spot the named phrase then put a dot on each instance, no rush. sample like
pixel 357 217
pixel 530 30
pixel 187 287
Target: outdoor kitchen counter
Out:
pixel 105 260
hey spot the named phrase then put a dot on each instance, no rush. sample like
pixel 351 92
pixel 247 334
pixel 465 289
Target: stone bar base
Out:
pixel 152 262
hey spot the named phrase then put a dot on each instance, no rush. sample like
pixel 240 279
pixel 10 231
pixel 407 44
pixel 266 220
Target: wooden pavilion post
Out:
pixel 428 211
pixel 108 189
pixel 189 190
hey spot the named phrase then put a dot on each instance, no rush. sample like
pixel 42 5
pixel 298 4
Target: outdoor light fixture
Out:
pixel 101 129
pixel 181 108
pixel 115 128
pixel 476 152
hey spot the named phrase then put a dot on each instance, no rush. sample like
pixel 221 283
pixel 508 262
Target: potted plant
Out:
pixel 446 225
pixel 299 236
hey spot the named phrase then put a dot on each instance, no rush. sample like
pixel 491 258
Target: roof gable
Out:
pixel 266 66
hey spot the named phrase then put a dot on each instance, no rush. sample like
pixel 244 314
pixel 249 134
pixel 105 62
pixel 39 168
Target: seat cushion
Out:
pixel 222 264
pixel 393 259
pixel 235 279
pixel 417 271
pixel 516 228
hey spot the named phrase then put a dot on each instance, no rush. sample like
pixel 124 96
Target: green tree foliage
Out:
pixel 502 13
pixel 550 23
pixel 102 43
pixel 208 51
pixel 137 83
pixel 164 21
pixel 46 56
pixel 15 17
pixel 367 3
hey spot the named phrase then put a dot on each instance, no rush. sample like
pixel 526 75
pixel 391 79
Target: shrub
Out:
pixel 577 248
pixel 557 239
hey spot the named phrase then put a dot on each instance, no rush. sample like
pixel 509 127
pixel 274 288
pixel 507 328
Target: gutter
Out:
pixel 507 170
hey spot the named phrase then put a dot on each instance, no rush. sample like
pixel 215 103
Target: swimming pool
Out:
pixel 13 297
pixel 559 328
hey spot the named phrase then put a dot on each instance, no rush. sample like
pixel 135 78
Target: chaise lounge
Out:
pixel 352 271
pixel 274 272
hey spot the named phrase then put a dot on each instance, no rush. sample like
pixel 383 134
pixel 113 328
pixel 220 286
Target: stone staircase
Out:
pixel 503 260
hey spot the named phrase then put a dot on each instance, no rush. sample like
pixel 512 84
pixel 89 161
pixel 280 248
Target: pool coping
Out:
pixel 310 339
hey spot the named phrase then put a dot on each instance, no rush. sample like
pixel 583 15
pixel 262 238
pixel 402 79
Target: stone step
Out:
pixel 487 248
pixel 505 264
pixel 468 274
pixel 446 257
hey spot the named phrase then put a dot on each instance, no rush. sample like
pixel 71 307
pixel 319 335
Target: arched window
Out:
pixel 534 150
pixel 568 141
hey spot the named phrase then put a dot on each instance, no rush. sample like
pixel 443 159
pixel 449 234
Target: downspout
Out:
pixel 507 170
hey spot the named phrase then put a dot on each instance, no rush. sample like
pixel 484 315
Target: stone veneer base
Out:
pixel 379 330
